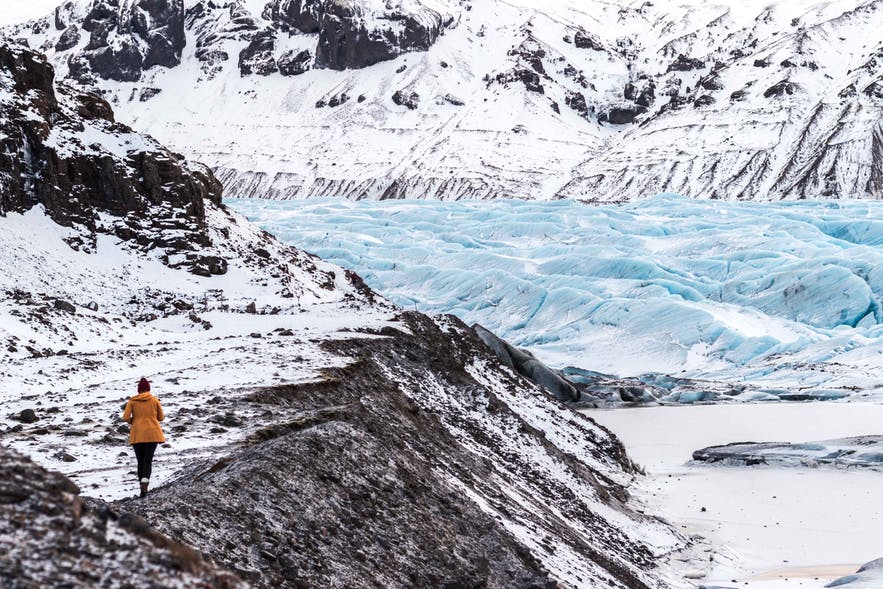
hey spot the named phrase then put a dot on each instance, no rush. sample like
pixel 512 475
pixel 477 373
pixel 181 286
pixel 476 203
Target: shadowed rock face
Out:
pixel 125 40
pixel 356 36
pixel 50 537
pixel 370 479
pixel 61 148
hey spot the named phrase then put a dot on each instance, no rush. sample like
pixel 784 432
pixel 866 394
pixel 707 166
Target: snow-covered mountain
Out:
pixel 316 434
pixel 603 101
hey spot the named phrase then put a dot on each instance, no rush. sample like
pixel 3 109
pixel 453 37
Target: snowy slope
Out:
pixel 591 100
pixel 782 297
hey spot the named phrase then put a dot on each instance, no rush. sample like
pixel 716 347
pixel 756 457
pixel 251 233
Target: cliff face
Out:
pixel 61 148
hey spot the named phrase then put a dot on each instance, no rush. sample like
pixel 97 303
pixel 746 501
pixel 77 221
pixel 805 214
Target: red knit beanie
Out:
pixel 143 385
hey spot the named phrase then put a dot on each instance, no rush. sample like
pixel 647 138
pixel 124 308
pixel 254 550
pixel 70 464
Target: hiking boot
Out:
pixel 144 484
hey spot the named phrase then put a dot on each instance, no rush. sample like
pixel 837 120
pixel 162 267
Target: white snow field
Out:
pixel 782 296
pixel 765 527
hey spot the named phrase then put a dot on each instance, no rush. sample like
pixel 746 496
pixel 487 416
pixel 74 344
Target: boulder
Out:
pixel 526 364
pixel 294 64
pixel 257 58
pixel 27 416
pixel 406 98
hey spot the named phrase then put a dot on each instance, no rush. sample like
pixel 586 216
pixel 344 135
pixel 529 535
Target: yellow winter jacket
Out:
pixel 143 412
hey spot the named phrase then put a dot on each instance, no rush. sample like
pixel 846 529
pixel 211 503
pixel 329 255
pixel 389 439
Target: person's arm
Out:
pixel 159 412
pixel 127 413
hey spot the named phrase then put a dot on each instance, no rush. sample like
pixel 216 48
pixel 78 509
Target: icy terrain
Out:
pixel 785 297
pixel 765 527
pixel 607 101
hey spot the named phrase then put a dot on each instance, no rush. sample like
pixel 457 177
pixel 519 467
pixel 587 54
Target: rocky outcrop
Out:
pixel 126 39
pixel 257 58
pixel 60 148
pixel 406 98
pixel 360 34
pixel 51 537
pixel 294 63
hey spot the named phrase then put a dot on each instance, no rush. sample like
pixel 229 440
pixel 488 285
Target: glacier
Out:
pixel 785 296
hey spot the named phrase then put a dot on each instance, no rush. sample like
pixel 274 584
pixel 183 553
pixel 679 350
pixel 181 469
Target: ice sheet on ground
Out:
pixel 767 528
pixel 859 451
pixel 777 294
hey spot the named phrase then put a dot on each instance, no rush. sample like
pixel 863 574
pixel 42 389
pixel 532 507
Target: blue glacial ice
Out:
pixel 785 295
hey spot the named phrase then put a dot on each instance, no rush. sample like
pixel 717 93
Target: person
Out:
pixel 143 413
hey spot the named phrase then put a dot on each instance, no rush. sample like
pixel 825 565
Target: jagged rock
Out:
pixel 780 89
pixel 208 266
pixel 685 64
pixel 643 96
pixel 74 181
pixel 407 98
pixel 848 92
pixel 762 62
pixel 127 39
pixel 257 58
pixel 341 98
pixel 704 100
pixel 68 39
pixel 451 99
pixel 630 91
pixel 875 89
pixel 353 35
pixel 528 77
pixel 711 82
pixel 577 102
pixel 584 40
pixel 294 64
pixel 738 95
pixel 91 107
pixel 50 537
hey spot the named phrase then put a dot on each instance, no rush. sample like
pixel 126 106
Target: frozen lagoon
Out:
pixel 771 527
pixel 785 296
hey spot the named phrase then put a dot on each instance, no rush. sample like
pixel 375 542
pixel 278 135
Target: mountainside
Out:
pixel 316 434
pixel 443 99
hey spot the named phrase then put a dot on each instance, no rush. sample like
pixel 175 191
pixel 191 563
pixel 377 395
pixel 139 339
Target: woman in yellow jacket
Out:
pixel 143 413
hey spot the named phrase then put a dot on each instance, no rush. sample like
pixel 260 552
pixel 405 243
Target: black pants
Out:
pixel 144 453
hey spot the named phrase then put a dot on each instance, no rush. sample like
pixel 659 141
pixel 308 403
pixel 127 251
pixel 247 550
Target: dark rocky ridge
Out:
pixel 362 484
pixel 50 537
pixel 125 40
